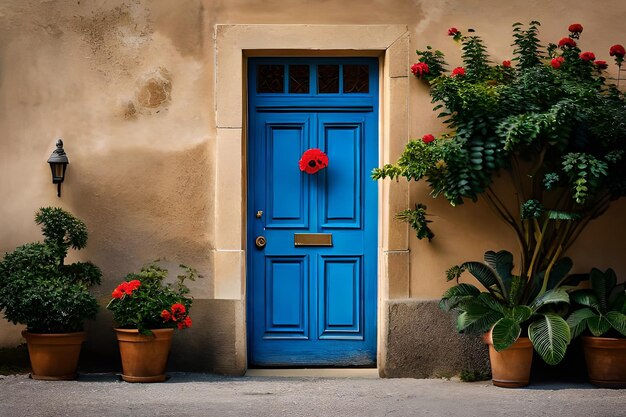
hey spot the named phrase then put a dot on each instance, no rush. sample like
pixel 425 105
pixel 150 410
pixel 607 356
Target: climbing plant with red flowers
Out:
pixel 551 122
pixel 143 301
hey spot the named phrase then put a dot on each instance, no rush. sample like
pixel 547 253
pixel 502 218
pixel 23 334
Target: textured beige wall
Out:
pixel 128 84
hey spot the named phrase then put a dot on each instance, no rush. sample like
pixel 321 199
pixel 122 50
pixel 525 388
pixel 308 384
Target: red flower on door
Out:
pixel 313 160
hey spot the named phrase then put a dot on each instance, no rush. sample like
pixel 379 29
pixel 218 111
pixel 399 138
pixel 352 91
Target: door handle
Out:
pixel 260 242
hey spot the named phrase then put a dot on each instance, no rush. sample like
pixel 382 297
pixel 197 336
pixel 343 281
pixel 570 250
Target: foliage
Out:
pixel 144 302
pixel 36 287
pixel 417 219
pixel 512 303
pixel 473 376
pixel 601 309
pixel 556 130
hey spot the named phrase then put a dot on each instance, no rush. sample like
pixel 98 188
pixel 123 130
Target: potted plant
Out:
pixel 601 311
pixel 147 311
pixel 551 128
pixel 52 299
pixel 513 314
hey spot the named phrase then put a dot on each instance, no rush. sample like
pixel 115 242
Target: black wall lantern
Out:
pixel 58 164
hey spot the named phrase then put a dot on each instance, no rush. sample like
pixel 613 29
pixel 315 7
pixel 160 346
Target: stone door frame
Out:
pixel 233 45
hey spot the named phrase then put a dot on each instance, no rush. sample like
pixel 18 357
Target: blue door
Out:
pixel 312 238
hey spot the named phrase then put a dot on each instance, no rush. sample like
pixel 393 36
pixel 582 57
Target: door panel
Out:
pixel 284 137
pixel 312 305
pixel 342 195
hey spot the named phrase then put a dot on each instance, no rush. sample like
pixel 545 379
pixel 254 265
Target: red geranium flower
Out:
pixel 166 315
pixel 506 64
pixel 601 64
pixel 428 138
pixel 452 31
pixel 587 56
pixel 575 28
pixel 117 293
pixel 313 160
pixel 617 50
pixel 567 42
pixel 556 62
pixel 187 322
pixel 419 69
pixel 133 285
pixel 178 310
pixel 458 71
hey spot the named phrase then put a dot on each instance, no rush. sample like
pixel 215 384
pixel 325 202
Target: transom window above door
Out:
pixel 297 77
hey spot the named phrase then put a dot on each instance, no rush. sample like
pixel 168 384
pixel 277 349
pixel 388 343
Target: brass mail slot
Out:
pixel 313 239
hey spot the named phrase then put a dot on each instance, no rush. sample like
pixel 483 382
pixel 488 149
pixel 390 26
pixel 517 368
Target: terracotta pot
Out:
pixel 606 361
pixel 510 368
pixel 144 358
pixel 54 357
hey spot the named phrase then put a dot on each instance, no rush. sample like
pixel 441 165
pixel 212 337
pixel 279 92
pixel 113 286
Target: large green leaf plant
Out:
pixel 552 127
pixel 509 306
pixel 602 309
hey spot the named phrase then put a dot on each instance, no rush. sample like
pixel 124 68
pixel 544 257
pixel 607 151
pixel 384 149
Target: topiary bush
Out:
pixel 38 290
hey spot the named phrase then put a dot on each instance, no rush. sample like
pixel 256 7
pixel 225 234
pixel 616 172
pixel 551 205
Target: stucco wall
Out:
pixel 128 84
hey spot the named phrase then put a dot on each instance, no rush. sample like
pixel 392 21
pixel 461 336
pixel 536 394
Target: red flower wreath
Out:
pixel 313 160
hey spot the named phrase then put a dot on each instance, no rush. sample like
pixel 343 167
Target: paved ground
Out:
pixel 210 395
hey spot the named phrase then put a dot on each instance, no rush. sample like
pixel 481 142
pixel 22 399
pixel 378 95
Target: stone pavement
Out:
pixel 186 394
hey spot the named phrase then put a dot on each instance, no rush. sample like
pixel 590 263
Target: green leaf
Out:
pixel 550 336
pixel 558 295
pixel 598 325
pixel 453 296
pixel 520 313
pixel 477 318
pixel 502 263
pixel 577 321
pixel 505 332
pixel 484 275
pixel 617 320
pixel 488 300
pixel 586 298
pixel 602 284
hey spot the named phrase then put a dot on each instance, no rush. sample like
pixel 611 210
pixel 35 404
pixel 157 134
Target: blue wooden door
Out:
pixel 312 287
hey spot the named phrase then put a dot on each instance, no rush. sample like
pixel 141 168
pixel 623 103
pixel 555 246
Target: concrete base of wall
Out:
pixel 212 344
pixel 422 343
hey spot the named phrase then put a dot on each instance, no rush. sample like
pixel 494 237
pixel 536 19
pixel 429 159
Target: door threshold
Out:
pixel 316 373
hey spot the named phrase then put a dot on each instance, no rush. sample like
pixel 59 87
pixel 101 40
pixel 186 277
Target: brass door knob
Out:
pixel 260 242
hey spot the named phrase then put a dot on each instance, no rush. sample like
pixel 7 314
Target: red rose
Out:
pixel 556 62
pixel 419 69
pixel 575 28
pixel 587 56
pixel 313 160
pixel 452 31
pixel 617 50
pixel 567 42
pixel 428 138
pixel 506 64
pixel 601 64
pixel 166 315
pixel 458 71
pixel 117 293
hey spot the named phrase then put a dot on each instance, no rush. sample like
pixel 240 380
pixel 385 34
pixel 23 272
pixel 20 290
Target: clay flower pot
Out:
pixel 144 358
pixel 510 368
pixel 54 357
pixel 606 361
